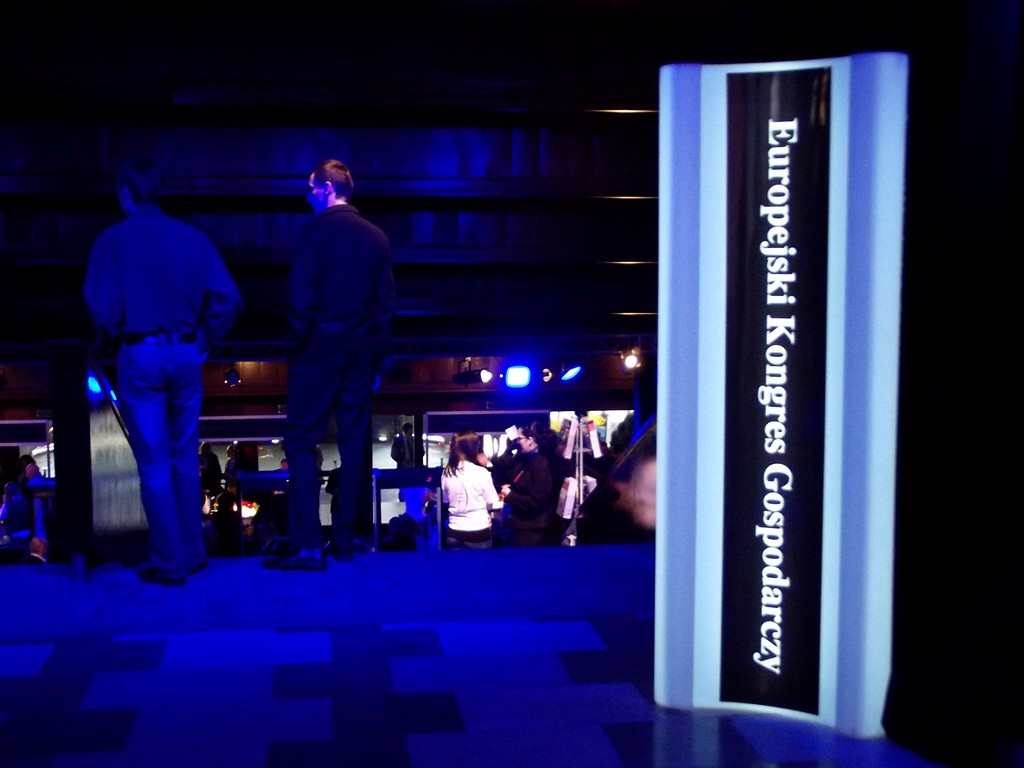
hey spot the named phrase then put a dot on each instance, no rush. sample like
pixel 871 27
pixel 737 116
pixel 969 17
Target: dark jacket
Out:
pixel 341 285
pixel 530 500
pixel 398 452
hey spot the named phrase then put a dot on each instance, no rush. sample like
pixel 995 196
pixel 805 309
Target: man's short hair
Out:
pixel 140 174
pixel 338 174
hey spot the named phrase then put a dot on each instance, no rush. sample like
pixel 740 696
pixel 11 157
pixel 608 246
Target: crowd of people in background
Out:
pixel 25 514
pixel 509 499
pixel 340 296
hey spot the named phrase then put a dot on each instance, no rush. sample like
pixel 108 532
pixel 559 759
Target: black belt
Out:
pixel 161 338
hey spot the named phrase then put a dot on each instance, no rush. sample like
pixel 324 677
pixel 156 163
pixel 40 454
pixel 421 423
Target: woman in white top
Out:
pixel 469 491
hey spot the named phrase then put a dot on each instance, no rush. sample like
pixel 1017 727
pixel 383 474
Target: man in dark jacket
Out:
pixel 404 449
pixel 340 304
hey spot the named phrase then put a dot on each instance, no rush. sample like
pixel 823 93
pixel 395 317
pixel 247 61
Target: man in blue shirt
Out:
pixel 159 288
pixel 340 304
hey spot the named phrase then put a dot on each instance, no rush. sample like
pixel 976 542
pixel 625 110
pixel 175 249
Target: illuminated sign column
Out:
pixel 780 239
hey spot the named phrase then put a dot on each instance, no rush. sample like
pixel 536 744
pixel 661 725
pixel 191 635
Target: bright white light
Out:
pixel 486 376
pixel 517 376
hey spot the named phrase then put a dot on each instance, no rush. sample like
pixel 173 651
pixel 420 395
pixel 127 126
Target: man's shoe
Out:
pixel 150 574
pixel 303 560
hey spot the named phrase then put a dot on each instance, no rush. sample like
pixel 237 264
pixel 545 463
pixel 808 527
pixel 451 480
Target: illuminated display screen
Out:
pixel 780 245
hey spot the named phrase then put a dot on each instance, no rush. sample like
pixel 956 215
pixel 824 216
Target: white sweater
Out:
pixel 469 493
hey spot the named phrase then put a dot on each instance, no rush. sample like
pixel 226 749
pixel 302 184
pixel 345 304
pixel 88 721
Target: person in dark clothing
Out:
pixel 340 303
pixel 209 470
pixel 404 451
pixel 24 462
pixel 15 513
pixel 28 475
pixel 362 526
pixel 231 466
pixel 227 522
pixel 158 287
pixel 527 486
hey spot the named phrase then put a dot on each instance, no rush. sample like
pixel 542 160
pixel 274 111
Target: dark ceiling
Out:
pixel 446 111
pixel 509 148
pixel 478 54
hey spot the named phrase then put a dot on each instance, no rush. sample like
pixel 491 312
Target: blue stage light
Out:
pixel 94 385
pixel 571 372
pixel 517 376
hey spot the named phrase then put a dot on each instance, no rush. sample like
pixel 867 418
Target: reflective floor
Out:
pixel 525 658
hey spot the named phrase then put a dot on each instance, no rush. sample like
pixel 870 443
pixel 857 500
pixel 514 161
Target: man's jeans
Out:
pixel 160 391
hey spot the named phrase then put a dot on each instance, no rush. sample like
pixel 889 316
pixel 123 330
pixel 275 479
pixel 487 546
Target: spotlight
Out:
pixel 631 358
pixel 517 376
pixel 94 387
pixel 570 372
pixel 471 376
pixel 467 375
pixel 232 377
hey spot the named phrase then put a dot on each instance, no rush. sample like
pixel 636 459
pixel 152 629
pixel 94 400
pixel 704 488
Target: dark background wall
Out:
pixel 510 150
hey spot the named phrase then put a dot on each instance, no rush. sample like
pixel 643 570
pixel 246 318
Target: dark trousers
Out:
pixel 160 389
pixel 536 537
pixel 326 380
